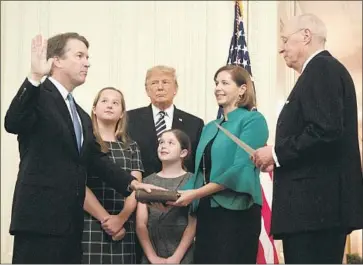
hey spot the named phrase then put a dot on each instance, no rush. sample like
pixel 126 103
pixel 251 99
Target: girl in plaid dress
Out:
pixel 109 222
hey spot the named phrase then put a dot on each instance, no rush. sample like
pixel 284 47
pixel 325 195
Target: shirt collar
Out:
pixel 309 59
pixel 169 112
pixel 64 92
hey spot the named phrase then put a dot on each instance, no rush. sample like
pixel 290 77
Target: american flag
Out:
pixel 238 55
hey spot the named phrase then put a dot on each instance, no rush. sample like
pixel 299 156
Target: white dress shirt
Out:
pixel 302 70
pixel 64 92
pixel 169 114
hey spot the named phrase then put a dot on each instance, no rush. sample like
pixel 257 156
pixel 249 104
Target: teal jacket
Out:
pixel 231 165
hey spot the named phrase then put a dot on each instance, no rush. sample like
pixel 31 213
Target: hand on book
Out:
pixel 186 198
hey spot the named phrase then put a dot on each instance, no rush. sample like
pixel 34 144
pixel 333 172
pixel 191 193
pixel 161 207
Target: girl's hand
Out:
pixel 120 235
pixel 172 260
pixel 157 260
pixel 113 225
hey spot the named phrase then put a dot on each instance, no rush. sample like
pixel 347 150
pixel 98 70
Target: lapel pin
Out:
pixel 180 119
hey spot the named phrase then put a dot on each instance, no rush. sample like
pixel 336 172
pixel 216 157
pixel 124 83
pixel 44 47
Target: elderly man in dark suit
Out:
pixel 318 184
pixel 146 123
pixel 57 149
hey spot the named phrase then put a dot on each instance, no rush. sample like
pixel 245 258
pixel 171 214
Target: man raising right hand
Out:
pixel 57 150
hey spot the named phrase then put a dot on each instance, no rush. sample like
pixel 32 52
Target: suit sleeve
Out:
pixel 241 176
pixel 322 110
pixel 22 113
pixel 100 165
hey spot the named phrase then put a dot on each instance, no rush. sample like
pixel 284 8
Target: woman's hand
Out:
pixel 186 198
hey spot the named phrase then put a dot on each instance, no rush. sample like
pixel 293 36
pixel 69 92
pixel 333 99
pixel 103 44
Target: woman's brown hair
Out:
pixel 241 77
pixel 121 125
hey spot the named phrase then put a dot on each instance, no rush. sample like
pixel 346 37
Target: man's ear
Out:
pixel 56 61
pixel 307 35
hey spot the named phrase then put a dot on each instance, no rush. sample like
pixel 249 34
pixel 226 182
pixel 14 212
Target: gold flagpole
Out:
pixel 241 7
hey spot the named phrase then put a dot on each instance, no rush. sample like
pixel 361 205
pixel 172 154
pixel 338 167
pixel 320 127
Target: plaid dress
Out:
pixel 98 246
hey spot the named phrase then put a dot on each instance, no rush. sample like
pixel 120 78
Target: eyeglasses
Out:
pixel 286 39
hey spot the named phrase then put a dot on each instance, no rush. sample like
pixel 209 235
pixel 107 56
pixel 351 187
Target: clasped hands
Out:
pixel 113 225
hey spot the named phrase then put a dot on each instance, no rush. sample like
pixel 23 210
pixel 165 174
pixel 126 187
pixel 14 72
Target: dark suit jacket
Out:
pixel 141 128
pixel 50 188
pixel 319 184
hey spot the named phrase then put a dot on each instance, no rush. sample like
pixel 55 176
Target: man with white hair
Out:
pixel 318 184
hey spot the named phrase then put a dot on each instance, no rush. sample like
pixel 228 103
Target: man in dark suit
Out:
pixel 146 123
pixel 57 149
pixel 318 184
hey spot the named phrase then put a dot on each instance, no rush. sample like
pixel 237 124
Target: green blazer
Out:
pixel 231 165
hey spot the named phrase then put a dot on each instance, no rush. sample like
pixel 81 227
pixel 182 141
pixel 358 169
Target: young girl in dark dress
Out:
pixel 167 236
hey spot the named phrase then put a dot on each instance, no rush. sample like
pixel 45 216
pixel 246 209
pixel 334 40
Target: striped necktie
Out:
pixel 160 125
pixel 76 123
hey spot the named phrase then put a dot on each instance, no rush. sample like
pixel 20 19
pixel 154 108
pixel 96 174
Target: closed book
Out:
pixel 160 196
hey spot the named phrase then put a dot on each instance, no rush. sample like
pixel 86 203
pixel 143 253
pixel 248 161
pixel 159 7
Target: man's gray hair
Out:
pixel 314 24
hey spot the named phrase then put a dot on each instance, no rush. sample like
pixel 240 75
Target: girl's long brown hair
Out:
pixel 120 127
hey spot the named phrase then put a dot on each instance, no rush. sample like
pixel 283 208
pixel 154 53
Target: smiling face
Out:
pixel 108 108
pixel 227 92
pixel 169 149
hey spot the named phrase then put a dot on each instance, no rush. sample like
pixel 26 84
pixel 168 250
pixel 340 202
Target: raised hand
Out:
pixel 40 66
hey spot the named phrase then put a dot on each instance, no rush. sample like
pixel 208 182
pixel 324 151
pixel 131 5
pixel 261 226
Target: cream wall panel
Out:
pixel 263 41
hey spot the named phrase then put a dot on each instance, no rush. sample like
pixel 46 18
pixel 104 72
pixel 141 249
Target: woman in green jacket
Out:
pixel 225 189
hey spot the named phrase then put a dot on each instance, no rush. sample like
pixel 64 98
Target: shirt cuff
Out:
pixel 33 82
pixel 275 157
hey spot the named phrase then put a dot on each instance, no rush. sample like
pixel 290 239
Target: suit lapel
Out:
pixel 149 126
pixel 178 122
pixel 65 117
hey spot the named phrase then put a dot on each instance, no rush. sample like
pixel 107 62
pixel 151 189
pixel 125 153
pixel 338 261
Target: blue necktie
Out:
pixel 76 123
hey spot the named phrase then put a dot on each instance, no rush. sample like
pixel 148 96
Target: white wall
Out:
pixel 127 38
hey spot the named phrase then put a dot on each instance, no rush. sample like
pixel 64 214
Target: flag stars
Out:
pixel 239 19
pixel 238 48
pixel 239 33
pixel 244 63
pixel 244 48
